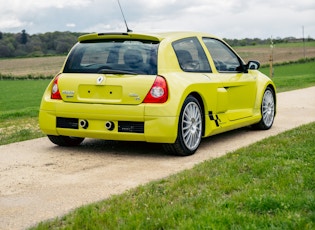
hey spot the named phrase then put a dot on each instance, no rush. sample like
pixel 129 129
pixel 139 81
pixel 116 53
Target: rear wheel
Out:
pixel 267 110
pixel 65 140
pixel 189 129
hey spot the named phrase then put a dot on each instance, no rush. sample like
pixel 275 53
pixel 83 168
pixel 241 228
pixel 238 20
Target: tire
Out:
pixel 267 109
pixel 65 140
pixel 190 126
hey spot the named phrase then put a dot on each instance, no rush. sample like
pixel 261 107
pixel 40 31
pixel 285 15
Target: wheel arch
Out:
pixel 261 88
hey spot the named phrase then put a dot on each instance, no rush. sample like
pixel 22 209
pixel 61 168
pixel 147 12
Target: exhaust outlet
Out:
pixel 109 125
pixel 84 124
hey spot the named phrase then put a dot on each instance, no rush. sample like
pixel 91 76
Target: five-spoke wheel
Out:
pixel 268 110
pixel 190 127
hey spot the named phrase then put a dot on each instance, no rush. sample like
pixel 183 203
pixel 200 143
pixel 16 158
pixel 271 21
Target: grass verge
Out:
pixel 268 185
pixel 19 129
pixel 293 76
pixel 19 105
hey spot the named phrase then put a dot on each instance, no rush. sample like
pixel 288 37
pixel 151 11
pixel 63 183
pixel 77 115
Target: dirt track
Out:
pixel 39 181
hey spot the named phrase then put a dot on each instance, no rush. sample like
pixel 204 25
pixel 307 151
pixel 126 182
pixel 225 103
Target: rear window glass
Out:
pixel 113 56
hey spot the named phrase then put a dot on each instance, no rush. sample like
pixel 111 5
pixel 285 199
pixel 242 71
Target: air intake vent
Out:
pixel 130 127
pixel 67 123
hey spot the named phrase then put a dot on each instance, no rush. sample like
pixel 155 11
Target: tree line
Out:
pixel 37 45
pixel 59 43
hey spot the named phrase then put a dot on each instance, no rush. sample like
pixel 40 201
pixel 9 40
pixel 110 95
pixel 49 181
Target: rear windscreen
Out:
pixel 113 56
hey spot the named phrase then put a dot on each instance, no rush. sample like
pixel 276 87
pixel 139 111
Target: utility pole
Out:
pixel 303 42
pixel 271 59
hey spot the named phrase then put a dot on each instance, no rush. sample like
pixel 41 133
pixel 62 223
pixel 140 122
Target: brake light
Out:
pixel 158 92
pixel 55 93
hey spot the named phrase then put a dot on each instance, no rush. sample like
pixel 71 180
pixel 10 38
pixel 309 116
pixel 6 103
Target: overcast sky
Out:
pixel 224 18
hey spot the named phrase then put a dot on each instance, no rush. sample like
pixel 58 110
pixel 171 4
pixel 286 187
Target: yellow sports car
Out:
pixel 170 88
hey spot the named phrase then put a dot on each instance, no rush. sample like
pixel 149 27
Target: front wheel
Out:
pixel 65 140
pixel 189 129
pixel 268 110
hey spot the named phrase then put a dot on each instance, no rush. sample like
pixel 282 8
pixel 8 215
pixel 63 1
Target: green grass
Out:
pixel 19 106
pixel 293 76
pixel 24 96
pixel 19 129
pixel 268 185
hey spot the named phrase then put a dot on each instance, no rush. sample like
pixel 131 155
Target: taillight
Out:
pixel 55 93
pixel 158 92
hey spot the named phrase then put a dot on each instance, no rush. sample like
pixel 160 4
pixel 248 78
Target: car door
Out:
pixel 239 85
pixel 193 60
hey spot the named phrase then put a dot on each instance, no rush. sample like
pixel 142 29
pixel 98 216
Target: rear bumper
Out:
pixel 124 118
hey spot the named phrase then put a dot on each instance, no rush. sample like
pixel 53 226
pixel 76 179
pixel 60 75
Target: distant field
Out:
pixel 281 52
pixel 39 66
pixel 49 66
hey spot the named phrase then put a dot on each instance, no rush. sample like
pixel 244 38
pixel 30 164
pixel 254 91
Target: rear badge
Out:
pixel 99 80
pixel 135 96
pixel 68 93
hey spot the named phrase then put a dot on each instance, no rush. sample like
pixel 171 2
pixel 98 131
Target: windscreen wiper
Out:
pixel 116 71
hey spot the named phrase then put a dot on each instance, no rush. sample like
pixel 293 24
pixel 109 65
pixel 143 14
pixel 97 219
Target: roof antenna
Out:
pixel 128 30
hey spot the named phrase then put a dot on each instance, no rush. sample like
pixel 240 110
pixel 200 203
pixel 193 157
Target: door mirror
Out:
pixel 253 65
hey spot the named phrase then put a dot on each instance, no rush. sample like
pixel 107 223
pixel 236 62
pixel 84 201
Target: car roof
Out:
pixel 142 36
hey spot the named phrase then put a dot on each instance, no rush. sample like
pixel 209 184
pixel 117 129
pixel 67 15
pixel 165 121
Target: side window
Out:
pixel 191 56
pixel 225 60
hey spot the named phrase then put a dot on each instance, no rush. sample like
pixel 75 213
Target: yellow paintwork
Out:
pixel 234 98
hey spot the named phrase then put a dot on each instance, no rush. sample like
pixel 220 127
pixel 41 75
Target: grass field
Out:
pixel 268 185
pixel 284 52
pixel 288 77
pixel 39 67
pixel 19 105
pixel 22 94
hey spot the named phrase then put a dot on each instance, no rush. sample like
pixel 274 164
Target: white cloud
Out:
pixel 101 27
pixel 10 22
pixel 72 25
pixel 156 4
pixel 225 18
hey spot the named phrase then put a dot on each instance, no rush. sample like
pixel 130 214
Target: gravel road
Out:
pixel 39 180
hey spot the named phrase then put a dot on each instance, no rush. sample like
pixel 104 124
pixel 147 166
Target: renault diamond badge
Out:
pixel 99 80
